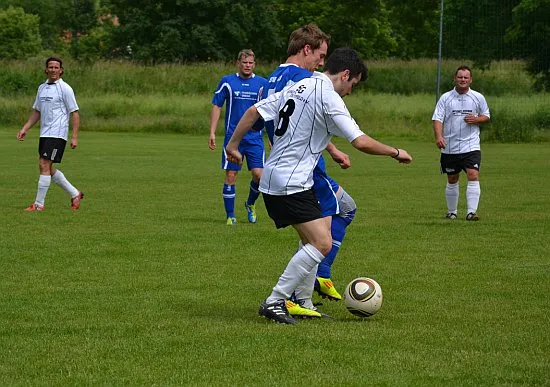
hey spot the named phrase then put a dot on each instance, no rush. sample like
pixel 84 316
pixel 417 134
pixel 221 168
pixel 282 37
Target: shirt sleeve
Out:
pixel 220 95
pixel 36 104
pixel 269 107
pixel 343 124
pixel 439 112
pixel 69 99
pixel 483 107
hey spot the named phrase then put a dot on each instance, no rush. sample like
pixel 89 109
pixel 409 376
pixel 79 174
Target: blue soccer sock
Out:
pixel 229 200
pixel 338 230
pixel 253 193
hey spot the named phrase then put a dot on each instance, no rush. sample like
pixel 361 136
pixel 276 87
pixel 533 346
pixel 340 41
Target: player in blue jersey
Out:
pixel 306 51
pixel 238 92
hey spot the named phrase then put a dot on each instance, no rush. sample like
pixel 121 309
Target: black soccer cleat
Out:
pixel 277 312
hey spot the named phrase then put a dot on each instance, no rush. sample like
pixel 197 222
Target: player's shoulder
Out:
pixel 228 78
pixel 476 94
pixel 64 85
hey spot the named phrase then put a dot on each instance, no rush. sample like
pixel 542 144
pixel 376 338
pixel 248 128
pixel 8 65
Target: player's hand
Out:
pixel 341 158
pixel 233 155
pixel 212 142
pixel 404 157
pixel 440 142
pixel 21 135
pixel 471 119
pixel 74 142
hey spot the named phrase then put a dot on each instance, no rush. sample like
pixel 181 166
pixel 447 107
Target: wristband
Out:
pixel 397 155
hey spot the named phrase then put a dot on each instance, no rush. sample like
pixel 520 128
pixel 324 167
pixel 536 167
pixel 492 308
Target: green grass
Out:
pixel 145 285
pixel 131 79
pixel 514 119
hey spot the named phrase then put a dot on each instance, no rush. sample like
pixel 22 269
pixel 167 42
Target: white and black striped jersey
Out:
pixel 306 115
pixel 55 102
pixel 450 110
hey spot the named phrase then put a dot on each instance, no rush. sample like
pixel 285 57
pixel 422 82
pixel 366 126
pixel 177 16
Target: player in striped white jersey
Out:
pixel 307 49
pixel 54 104
pixel 306 116
pixel 456 121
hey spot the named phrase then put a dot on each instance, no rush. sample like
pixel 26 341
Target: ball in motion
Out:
pixel 363 297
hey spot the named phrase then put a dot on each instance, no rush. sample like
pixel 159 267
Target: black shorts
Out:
pixel 292 209
pixel 453 164
pixel 51 148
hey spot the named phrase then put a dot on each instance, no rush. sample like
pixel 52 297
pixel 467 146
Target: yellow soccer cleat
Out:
pixel 325 288
pixel 231 221
pixel 298 311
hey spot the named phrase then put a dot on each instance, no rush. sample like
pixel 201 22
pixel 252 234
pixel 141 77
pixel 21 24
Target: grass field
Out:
pixel 146 285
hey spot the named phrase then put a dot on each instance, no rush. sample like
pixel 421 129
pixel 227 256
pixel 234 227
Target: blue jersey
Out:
pixel 239 94
pixel 286 74
pixel 325 187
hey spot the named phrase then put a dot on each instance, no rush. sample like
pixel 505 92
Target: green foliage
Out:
pixel 125 97
pixel 50 18
pixel 188 30
pixel 475 30
pixel 362 25
pixel 415 25
pixel 130 291
pixel 19 34
pixel 531 32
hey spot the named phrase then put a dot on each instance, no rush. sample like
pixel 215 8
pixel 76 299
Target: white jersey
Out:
pixel 55 102
pixel 306 115
pixel 450 110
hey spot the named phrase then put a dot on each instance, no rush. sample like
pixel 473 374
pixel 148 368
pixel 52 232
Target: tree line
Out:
pixel 167 31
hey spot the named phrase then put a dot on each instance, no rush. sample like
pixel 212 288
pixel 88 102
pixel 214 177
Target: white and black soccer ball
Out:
pixel 363 297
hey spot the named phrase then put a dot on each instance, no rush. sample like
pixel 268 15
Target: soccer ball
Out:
pixel 363 297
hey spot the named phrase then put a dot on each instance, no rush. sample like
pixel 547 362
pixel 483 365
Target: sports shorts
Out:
pixel 292 209
pixel 325 189
pixel 253 152
pixel 453 164
pixel 51 148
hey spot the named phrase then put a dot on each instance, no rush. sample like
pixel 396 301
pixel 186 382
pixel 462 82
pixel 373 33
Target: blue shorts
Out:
pixel 253 152
pixel 325 190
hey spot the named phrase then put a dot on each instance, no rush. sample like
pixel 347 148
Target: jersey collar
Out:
pixel 323 77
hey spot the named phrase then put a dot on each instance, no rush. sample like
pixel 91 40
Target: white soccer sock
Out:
pixel 473 191
pixel 60 179
pixel 302 263
pixel 304 290
pixel 451 194
pixel 43 186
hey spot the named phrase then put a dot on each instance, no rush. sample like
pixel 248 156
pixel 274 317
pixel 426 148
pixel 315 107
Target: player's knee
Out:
pixel 325 245
pixel 452 179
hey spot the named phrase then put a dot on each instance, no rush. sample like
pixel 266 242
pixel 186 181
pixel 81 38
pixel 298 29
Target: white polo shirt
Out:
pixel 450 110
pixel 55 103
pixel 306 115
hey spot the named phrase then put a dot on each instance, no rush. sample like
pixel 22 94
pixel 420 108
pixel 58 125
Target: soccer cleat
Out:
pixel 251 210
pixel 34 207
pixel 298 311
pixel 450 215
pixel 325 288
pixel 277 312
pixel 231 221
pixel 472 216
pixel 75 202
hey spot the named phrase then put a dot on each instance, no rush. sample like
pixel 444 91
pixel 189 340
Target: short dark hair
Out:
pixel 54 59
pixel 347 59
pixel 462 68
pixel 309 34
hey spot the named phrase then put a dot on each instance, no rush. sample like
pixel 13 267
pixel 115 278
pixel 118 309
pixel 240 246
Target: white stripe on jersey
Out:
pixel 229 105
pixel 306 115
